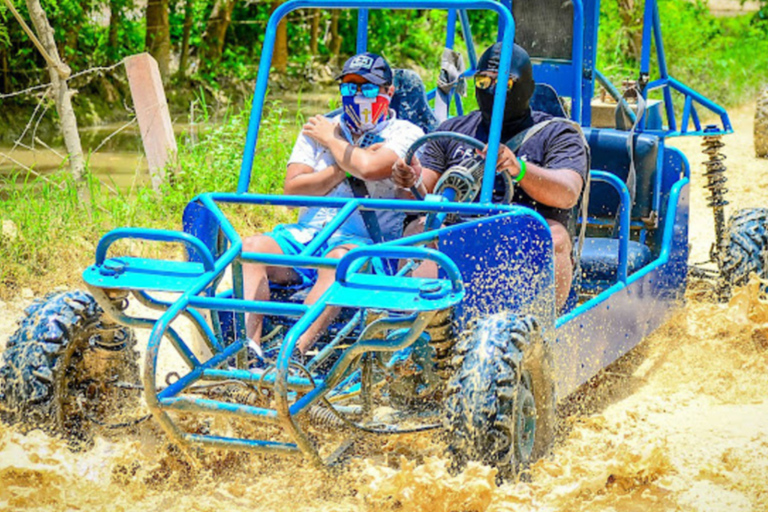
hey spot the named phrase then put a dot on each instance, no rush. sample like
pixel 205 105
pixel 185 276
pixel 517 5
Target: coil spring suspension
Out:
pixel 442 339
pixel 324 417
pixel 715 174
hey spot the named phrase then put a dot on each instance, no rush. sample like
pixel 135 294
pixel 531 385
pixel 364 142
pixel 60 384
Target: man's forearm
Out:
pixel 559 188
pixel 358 162
pixel 316 183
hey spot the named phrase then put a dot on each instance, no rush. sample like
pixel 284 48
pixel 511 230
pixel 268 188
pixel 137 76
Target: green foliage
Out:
pixel 723 58
pixel 58 230
pixel 4 39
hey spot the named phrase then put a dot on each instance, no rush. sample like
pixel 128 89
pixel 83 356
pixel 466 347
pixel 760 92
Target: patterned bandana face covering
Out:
pixel 361 114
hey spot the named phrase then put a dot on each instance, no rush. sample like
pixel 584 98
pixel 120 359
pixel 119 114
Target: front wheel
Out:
pixel 66 369
pixel 500 407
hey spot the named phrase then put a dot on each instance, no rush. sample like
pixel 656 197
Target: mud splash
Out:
pixel 680 424
pixel 687 429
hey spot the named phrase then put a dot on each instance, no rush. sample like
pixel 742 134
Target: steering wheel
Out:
pixel 462 182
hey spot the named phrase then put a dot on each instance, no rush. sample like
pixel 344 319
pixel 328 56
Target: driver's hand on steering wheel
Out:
pixel 507 160
pixel 404 175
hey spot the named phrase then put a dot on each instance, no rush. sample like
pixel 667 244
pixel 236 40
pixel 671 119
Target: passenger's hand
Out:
pixel 507 160
pixel 320 129
pixel 404 175
pixel 375 147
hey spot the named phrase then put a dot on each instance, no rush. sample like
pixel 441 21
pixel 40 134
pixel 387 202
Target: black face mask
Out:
pixel 517 112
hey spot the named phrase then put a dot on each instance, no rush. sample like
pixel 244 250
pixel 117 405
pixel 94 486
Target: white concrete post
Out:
pixel 153 115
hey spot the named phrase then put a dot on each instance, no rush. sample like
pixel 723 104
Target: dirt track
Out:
pixel 680 425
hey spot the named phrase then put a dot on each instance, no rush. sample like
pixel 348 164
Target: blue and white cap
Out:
pixel 370 66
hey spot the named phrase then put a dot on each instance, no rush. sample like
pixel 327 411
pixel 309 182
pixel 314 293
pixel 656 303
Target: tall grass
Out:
pixel 59 223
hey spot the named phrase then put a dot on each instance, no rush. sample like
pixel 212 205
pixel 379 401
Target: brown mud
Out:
pixel 681 423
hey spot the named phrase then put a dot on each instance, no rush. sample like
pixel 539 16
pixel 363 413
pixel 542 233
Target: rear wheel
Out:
pixel 63 368
pixel 761 125
pixel 747 247
pixel 500 406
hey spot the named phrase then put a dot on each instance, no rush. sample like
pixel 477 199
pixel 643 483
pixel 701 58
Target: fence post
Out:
pixel 153 115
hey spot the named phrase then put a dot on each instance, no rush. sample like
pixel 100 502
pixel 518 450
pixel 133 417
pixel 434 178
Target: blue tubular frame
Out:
pixel 157 235
pixel 624 207
pixel 507 24
pixel 170 399
pixel 652 33
pixel 655 286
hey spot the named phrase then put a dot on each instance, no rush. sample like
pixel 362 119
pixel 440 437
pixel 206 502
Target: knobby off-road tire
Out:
pixel 59 369
pixel 761 125
pixel 500 407
pixel 747 247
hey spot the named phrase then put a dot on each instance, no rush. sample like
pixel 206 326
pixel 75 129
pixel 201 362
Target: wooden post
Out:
pixel 153 115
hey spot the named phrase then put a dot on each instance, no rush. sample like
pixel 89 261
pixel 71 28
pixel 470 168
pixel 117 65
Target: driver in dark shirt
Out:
pixel 549 168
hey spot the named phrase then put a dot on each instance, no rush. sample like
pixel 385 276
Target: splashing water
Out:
pixel 681 423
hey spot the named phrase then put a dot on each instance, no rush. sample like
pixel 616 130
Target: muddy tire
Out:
pixel 58 369
pixel 761 125
pixel 747 247
pixel 500 406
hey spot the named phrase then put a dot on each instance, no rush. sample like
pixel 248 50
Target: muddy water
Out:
pixel 119 160
pixel 115 152
pixel 681 424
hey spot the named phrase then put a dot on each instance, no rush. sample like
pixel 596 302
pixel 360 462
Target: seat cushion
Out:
pixel 545 99
pixel 600 259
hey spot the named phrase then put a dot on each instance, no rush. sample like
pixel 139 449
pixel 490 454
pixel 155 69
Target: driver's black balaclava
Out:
pixel 517 112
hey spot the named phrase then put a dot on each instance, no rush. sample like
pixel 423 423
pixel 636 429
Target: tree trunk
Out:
pixel 188 11
pixel 158 40
pixel 336 38
pixel 280 53
pixel 115 17
pixel 5 83
pixel 314 32
pixel 216 30
pixel 632 19
pixel 61 94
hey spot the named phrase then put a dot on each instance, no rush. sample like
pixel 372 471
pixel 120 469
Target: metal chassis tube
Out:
pixel 159 401
pixel 652 30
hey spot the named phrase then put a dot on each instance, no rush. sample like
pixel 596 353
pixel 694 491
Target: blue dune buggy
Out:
pixel 480 351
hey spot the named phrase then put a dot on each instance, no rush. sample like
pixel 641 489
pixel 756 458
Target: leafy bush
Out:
pixel 724 58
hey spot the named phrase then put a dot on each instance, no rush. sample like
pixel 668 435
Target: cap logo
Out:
pixel 361 61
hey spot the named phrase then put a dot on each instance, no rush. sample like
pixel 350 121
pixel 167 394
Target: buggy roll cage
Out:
pixel 195 281
pixel 572 78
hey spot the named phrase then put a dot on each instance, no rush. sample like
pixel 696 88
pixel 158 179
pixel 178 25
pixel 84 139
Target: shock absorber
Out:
pixel 442 335
pixel 715 174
